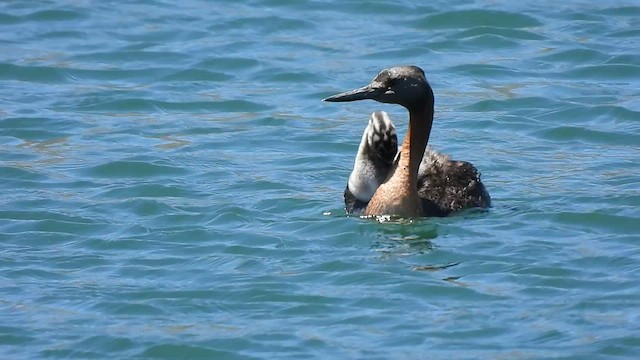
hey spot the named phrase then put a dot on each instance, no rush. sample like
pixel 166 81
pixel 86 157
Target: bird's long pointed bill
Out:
pixel 366 92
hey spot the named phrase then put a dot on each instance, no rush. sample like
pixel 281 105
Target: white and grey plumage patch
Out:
pixel 378 147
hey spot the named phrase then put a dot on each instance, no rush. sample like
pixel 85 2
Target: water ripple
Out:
pixel 172 182
pixel 35 74
pixel 474 18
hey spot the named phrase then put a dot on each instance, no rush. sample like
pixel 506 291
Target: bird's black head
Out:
pixel 402 85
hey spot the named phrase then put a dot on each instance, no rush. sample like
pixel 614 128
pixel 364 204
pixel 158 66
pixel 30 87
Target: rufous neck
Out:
pixel 415 142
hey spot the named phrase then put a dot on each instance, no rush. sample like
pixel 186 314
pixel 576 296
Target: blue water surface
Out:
pixel 172 183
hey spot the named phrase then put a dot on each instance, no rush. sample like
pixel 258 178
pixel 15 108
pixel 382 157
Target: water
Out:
pixel 172 184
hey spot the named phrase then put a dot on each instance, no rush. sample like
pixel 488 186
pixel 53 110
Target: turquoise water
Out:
pixel 172 184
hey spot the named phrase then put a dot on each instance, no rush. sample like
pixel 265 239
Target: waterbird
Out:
pixel 415 181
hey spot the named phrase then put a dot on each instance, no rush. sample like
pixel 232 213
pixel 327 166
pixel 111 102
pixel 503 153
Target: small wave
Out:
pixel 605 72
pixel 262 25
pixel 133 169
pixel 55 15
pixel 146 105
pixel 197 75
pixel 573 56
pixel 33 73
pixel 575 133
pixel 508 33
pixel 228 63
pixel 475 18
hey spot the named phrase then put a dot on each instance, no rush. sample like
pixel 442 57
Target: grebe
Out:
pixel 416 180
